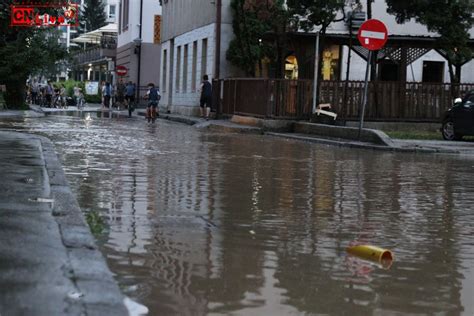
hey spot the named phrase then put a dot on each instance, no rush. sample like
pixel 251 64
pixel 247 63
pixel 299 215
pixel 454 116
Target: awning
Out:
pixel 94 37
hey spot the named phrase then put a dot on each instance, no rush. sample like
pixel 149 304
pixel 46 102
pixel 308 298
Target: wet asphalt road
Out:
pixel 206 223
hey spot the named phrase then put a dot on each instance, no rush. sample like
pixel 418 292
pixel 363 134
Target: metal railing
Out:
pixel 106 48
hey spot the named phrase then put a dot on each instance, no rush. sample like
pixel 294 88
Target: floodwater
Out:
pixel 226 224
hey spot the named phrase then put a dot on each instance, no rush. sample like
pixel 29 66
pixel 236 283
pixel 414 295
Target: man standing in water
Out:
pixel 206 97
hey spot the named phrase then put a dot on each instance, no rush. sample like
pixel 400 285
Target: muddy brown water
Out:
pixel 205 223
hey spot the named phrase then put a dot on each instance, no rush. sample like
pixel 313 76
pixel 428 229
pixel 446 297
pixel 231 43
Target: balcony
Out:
pixel 98 45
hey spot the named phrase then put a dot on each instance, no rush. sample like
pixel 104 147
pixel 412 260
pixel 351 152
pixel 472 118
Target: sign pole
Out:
pixel 366 90
pixel 372 35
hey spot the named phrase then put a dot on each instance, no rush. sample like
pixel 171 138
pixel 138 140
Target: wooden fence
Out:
pixel 292 99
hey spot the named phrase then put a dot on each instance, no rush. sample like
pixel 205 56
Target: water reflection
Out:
pixel 202 223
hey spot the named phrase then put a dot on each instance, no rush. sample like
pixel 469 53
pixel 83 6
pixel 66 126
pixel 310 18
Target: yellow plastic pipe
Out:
pixel 372 253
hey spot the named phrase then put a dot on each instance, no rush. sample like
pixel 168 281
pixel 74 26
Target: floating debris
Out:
pixel 372 253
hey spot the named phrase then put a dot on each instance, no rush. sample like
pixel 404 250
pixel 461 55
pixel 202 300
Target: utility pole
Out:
pixel 139 45
pixel 217 57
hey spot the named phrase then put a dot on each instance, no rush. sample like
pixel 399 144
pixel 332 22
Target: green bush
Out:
pixel 93 98
pixel 69 85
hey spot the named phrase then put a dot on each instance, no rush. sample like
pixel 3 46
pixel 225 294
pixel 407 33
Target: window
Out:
pixel 204 57
pixel 165 64
pixel 112 12
pixel 156 35
pixel 330 63
pixel 125 11
pixel 433 71
pixel 120 18
pixel 193 78
pixel 178 68
pixel 185 68
pixel 388 71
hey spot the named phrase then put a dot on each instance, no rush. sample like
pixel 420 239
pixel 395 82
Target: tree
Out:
pixel 24 51
pixel 452 20
pixel 92 16
pixel 308 14
pixel 252 20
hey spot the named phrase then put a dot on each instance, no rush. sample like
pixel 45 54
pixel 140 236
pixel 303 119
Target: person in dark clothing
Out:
pixel 130 97
pixel 205 101
pixel 153 96
pixel 107 94
pixel 49 94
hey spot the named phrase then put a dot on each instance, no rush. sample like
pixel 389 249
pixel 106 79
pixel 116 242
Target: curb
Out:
pixel 361 145
pixel 88 269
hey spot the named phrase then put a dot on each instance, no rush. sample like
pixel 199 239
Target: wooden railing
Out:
pixel 292 99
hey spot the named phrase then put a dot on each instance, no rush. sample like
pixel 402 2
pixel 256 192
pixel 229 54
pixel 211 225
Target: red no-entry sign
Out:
pixel 373 34
pixel 121 70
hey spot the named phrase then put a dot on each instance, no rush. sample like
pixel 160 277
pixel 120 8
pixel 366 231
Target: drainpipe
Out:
pixel 139 52
pixel 217 61
pixel 218 39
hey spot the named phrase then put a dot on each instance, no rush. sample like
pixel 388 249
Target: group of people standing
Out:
pixel 46 95
pixel 119 95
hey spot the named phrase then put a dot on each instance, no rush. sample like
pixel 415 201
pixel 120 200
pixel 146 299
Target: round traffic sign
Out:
pixel 373 34
pixel 121 70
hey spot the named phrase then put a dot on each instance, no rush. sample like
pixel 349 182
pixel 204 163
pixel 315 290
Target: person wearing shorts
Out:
pixel 205 101
pixel 153 96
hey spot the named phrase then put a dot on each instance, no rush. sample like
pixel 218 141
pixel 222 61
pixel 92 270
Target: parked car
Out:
pixel 458 121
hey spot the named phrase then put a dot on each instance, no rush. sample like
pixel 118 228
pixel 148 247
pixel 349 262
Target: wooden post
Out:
pixel 402 82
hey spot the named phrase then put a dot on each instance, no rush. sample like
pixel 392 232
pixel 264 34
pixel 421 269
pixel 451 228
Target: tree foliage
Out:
pixel 451 19
pixel 252 20
pixel 24 51
pixel 92 15
pixel 307 14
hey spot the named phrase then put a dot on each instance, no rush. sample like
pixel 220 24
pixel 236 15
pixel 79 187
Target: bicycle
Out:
pixel 151 113
pixel 130 104
pixel 56 101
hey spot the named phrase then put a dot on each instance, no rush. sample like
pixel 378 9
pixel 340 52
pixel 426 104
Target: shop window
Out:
pixel 330 63
pixel 291 67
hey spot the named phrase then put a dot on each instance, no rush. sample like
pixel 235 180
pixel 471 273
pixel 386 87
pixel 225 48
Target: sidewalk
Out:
pixel 49 263
pixel 388 144
pixel 239 126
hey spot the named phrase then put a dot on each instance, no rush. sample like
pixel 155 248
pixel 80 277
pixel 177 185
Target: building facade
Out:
pixel 138 47
pixel 95 61
pixel 423 63
pixel 189 50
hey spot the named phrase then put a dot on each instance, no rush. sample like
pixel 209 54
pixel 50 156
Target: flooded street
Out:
pixel 198 223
